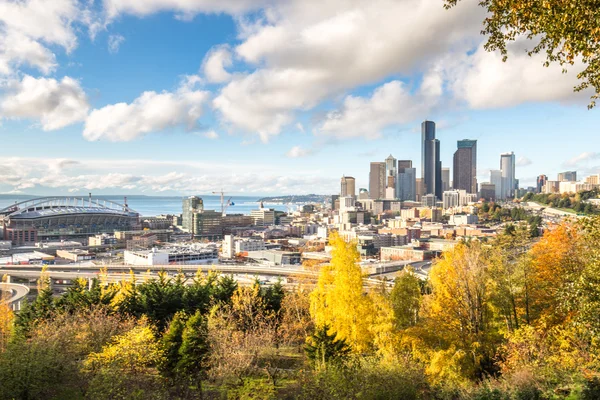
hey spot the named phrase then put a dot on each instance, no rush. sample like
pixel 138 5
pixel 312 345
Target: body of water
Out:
pixel 155 205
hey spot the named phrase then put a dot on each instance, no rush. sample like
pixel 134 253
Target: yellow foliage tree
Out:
pixel 459 312
pixel 6 323
pixel 339 301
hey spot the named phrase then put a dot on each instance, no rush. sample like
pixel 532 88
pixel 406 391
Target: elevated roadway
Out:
pixel 16 292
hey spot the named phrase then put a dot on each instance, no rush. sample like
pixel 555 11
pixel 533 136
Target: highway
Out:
pixel 17 292
pixel 116 273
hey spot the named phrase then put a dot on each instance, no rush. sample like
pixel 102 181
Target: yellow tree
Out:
pixel 338 300
pixel 6 320
pixel 459 312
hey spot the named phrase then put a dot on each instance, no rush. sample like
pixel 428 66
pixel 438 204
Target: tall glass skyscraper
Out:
pixel 406 181
pixel 431 166
pixel 465 166
pixel 507 166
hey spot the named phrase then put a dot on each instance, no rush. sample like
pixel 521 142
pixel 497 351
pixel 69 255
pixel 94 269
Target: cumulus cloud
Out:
pixel 151 112
pixel 114 43
pixel 581 159
pixel 390 104
pixel 306 54
pixel 215 64
pixel 523 161
pixel 27 27
pixel 484 81
pixel 298 151
pixel 55 103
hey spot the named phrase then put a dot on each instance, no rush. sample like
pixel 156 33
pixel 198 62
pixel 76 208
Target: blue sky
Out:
pixel 267 97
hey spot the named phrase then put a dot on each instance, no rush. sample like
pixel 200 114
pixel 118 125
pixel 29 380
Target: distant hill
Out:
pixel 304 198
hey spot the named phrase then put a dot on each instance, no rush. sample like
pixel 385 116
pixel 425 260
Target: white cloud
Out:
pixel 306 54
pixel 151 112
pixel 390 104
pixel 298 151
pixel 215 63
pixel 27 27
pixel 523 161
pixel 581 159
pixel 211 135
pixel 55 103
pixel 114 43
pixel 484 81
pixel 140 176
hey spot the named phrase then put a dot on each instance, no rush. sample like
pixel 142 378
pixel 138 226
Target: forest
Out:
pixel 512 318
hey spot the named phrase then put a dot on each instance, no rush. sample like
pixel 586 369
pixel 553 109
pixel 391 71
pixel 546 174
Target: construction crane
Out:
pixel 224 205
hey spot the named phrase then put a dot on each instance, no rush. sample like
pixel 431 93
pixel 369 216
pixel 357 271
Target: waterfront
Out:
pixel 155 205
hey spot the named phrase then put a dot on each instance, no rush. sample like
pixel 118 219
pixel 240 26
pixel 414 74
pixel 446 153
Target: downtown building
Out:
pixel 465 166
pixel 431 166
pixel 377 180
pixel 406 181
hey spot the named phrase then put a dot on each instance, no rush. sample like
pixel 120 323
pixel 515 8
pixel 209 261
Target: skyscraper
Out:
pixel 446 179
pixel 190 205
pixel 465 166
pixel 390 166
pixel 406 181
pixel 431 166
pixel 507 166
pixel 348 187
pixel 496 180
pixel 377 180
pixel 541 182
pixel 567 176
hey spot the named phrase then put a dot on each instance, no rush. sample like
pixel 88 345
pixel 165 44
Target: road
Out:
pixel 17 291
pixel 116 273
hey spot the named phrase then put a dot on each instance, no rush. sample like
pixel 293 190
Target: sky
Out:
pixel 259 97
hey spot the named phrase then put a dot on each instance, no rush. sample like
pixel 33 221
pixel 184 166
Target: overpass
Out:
pixel 116 273
pixel 17 293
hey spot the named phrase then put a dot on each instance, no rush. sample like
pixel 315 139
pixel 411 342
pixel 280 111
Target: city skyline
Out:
pixel 179 98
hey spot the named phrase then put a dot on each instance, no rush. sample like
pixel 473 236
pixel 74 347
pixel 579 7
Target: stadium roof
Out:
pixel 46 207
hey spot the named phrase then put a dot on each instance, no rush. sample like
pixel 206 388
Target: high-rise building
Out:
pixel 190 205
pixel 377 180
pixel 446 179
pixel 406 181
pixel 567 176
pixel 390 166
pixel 465 166
pixel 487 191
pixel 348 187
pixel 419 189
pixel 593 179
pixel 507 166
pixel 541 183
pixel 431 166
pixel 496 180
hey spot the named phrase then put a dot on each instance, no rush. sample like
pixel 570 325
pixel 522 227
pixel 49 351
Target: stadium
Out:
pixel 56 218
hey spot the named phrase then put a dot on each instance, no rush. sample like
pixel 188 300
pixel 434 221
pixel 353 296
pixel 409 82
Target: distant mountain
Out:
pixel 304 198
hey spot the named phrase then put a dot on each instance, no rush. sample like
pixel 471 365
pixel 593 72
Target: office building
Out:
pixel 496 180
pixel 593 179
pixel 431 166
pixel 567 176
pixel 428 200
pixel 507 168
pixel 540 183
pixel 264 216
pixel 420 189
pixel 487 191
pixel 450 199
pixel 446 179
pixel 465 166
pixel 191 205
pixel 363 194
pixel 207 224
pixel 377 180
pixel 406 181
pixel 348 187
pixel 390 166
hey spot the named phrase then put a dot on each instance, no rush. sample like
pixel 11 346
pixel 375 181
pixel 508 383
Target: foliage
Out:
pixel 338 299
pixel 323 347
pixel 406 299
